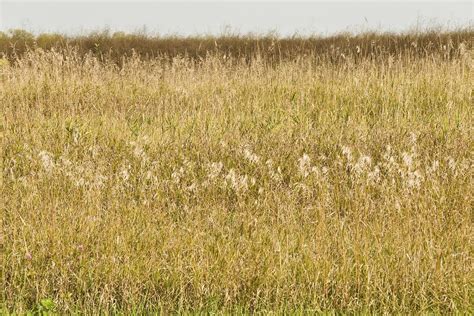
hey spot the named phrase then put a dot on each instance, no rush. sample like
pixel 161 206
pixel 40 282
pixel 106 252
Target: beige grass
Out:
pixel 229 187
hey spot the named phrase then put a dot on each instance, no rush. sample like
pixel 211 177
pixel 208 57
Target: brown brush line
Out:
pixel 336 48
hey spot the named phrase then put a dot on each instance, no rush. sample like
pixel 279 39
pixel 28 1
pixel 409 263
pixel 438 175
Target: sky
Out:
pixel 260 17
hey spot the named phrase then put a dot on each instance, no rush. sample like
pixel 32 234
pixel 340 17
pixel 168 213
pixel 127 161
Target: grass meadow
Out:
pixel 223 184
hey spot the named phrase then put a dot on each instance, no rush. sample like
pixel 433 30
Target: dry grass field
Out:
pixel 230 185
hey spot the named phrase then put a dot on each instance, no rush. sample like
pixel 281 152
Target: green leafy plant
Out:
pixel 45 307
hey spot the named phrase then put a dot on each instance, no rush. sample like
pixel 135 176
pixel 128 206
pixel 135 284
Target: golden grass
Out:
pixel 233 187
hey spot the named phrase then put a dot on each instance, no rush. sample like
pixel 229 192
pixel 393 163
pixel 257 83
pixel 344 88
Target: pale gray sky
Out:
pixel 199 17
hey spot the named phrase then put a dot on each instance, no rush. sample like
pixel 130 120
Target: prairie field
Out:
pixel 320 183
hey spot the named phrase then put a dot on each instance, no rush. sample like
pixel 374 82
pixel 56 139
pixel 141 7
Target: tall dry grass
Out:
pixel 228 186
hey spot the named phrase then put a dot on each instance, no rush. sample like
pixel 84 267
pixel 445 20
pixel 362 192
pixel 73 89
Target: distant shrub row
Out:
pixel 335 48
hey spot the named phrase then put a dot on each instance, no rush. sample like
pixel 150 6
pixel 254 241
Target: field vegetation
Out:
pixel 320 175
pixel 115 46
